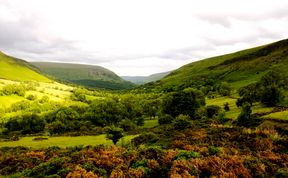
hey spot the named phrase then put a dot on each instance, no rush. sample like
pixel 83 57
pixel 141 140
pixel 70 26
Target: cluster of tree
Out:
pixel 126 111
pixel 269 90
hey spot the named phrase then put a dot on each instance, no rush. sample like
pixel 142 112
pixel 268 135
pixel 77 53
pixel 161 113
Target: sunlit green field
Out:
pixel 150 123
pixel 64 141
pixel 283 115
pixel 235 111
pixel 7 101
pixel 220 101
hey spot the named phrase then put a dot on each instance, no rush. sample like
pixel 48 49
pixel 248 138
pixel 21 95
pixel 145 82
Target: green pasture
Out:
pixel 65 141
pixel 282 115
pixel 150 123
pixel 7 101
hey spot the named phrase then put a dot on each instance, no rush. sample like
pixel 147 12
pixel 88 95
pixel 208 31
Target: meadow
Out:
pixel 65 141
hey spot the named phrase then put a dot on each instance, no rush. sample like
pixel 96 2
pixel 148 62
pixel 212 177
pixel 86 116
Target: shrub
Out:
pixel 226 107
pixel 145 138
pixel 31 97
pixel 182 122
pixel 165 119
pixel 282 172
pixel 127 125
pixel 245 118
pixel 186 155
pixel 114 134
pixel 213 150
pixel 212 110
pixel 14 89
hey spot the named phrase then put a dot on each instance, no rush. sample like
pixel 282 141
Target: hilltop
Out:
pixel 86 75
pixel 238 69
pixel 19 70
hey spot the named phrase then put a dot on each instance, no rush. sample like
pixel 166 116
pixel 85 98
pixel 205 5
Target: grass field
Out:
pixel 150 123
pixel 7 101
pixel 283 115
pixel 65 141
pixel 220 101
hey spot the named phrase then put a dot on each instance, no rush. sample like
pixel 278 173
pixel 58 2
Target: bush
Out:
pixel 127 125
pixel 186 155
pixel 226 107
pixel 182 122
pixel 114 134
pixel 224 89
pixel 165 119
pixel 212 110
pixel 145 138
pixel 245 118
pixel 14 89
pixel 213 150
pixel 31 97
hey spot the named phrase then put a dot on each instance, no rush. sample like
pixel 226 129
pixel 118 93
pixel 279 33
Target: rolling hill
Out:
pixel 16 69
pixel 238 69
pixel 86 75
pixel 145 79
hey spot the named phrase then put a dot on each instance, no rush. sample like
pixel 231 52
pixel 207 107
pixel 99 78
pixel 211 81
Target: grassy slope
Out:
pixel 86 75
pixel 16 69
pixel 55 92
pixel 238 69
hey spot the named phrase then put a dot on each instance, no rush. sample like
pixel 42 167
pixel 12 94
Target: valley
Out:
pixel 224 116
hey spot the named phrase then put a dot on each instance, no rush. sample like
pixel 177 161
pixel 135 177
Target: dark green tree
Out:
pixel 212 110
pixel 245 118
pixel 184 102
pixel 226 107
pixel 114 134
pixel 250 94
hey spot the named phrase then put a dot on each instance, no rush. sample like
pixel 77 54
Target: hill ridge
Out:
pixel 93 76
pixel 238 68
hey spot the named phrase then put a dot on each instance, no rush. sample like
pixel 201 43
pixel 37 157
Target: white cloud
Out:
pixel 137 37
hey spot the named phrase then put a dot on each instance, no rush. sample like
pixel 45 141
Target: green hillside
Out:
pixel 86 75
pixel 16 69
pixel 238 69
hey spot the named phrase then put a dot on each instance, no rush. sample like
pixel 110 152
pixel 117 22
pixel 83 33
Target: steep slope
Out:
pixel 239 68
pixel 86 75
pixel 145 79
pixel 20 70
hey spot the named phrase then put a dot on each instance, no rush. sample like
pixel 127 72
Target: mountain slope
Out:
pixel 86 75
pixel 145 79
pixel 239 68
pixel 20 70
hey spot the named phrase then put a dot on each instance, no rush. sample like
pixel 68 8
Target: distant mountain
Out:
pixel 86 75
pixel 17 69
pixel 145 79
pixel 238 69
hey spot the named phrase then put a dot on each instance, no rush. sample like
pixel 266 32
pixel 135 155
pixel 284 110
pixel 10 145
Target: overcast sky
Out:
pixel 133 37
